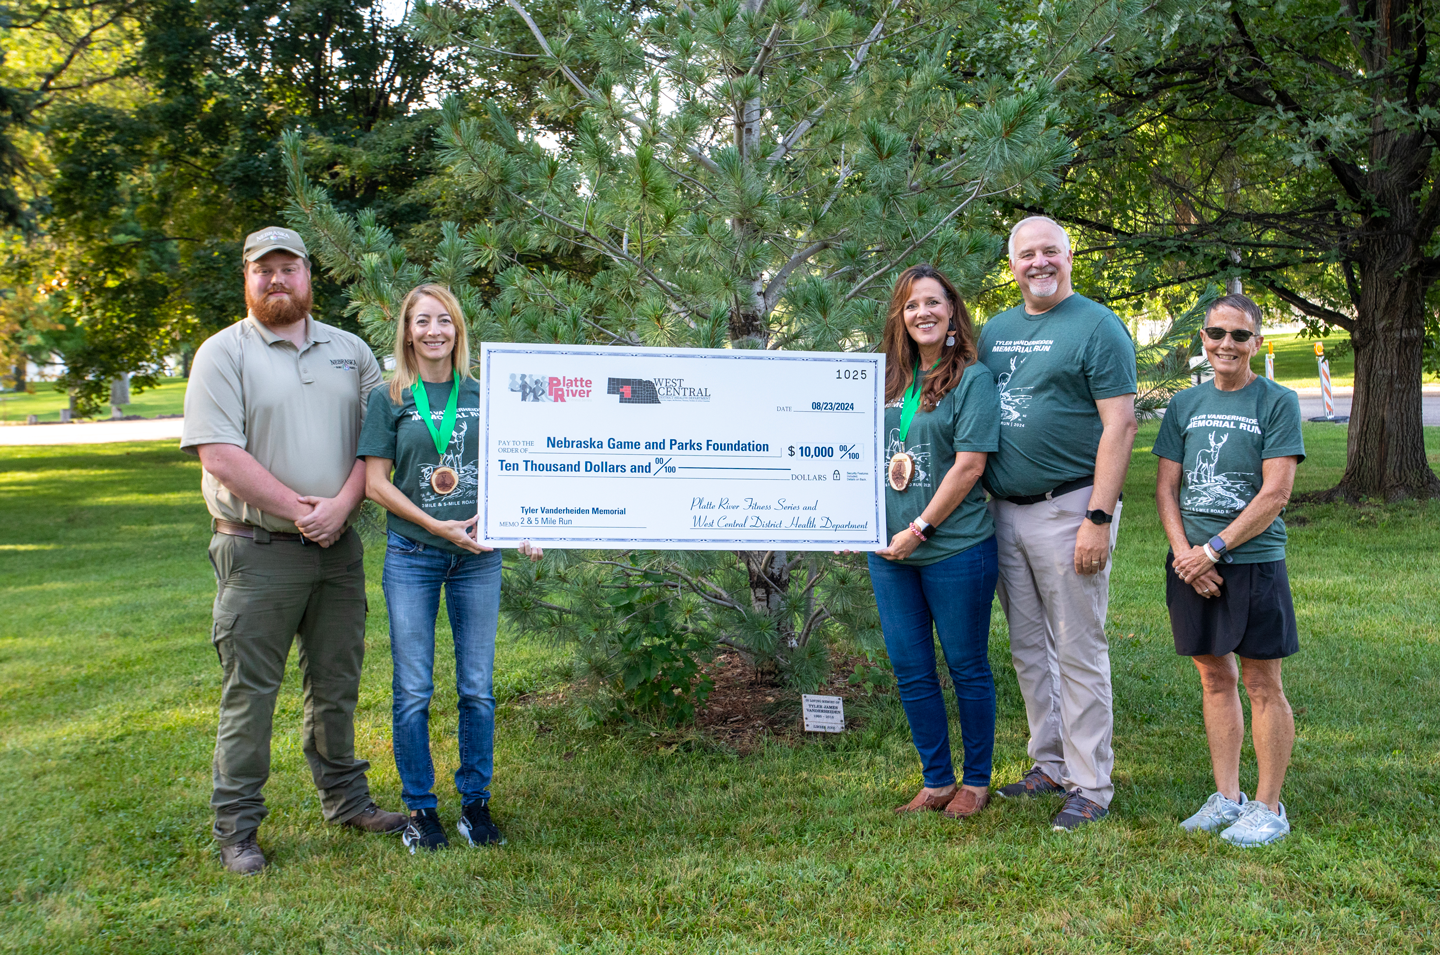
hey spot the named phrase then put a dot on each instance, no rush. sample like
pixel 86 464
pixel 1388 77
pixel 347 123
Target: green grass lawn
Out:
pixel 46 402
pixel 1295 362
pixel 624 842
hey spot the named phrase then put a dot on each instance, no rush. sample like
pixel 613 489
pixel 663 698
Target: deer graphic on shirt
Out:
pixel 1212 490
pixel 1205 460
pixel 1011 399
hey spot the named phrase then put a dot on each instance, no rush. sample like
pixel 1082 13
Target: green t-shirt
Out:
pixel 396 432
pixel 966 419
pixel 1050 370
pixel 1220 439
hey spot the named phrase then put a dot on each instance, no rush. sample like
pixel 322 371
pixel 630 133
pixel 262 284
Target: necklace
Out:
pixel 443 479
pixel 901 468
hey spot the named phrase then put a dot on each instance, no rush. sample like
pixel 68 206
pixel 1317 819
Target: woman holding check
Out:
pixel 424 428
pixel 942 418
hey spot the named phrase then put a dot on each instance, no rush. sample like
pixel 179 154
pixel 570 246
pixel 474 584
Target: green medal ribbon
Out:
pixel 447 423
pixel 912 401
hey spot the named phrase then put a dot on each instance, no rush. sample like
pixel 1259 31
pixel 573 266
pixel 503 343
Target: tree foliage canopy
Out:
pixel 735 174
pixel 1291 145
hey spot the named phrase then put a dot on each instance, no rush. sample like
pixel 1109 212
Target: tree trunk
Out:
pixel 20 369
pixel 769 573
pixel 1386 449
pixel 120 391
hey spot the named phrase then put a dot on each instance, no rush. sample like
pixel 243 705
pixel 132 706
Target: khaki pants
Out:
pixel 267 594
pixel 1057 640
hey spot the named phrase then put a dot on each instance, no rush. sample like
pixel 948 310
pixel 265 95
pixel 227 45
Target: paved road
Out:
pixel 98 432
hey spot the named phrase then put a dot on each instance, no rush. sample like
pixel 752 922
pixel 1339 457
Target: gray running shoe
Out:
pixel 1077 811
pixel 1217 813
pixel 1257 826
pixel 1033 783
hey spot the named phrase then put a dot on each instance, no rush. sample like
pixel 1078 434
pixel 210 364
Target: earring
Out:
pixel 950 338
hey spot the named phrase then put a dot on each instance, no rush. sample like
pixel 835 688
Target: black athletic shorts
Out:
pixel 1253 616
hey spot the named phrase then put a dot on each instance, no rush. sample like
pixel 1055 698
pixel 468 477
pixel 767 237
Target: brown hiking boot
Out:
pixel 243 857
pixel 374 819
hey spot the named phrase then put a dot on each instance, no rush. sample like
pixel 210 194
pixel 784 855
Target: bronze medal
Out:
pixel 444 480
pixel 900 471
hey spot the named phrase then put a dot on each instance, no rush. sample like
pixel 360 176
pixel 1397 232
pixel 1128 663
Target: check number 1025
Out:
pixel 852 374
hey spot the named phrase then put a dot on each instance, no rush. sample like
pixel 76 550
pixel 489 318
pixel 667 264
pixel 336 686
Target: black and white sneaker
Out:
pixel 424 831
pixel 476 826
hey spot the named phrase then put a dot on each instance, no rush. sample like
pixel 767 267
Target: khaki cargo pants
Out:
pixel 1057 640
pixel 267 594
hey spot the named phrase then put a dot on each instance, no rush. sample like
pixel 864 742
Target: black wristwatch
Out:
pixel 1098 516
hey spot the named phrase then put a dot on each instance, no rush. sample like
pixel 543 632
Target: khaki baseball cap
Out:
pixel 271 239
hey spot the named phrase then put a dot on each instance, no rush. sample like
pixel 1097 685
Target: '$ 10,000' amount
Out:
pixel 844 451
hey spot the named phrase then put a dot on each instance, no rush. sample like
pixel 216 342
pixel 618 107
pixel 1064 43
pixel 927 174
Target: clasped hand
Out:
pixel 325 521
pixel 1195 569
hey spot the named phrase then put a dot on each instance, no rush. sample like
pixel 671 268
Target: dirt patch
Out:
pixel 742 711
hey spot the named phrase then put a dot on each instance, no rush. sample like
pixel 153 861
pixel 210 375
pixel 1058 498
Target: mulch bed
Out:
pixel 743 710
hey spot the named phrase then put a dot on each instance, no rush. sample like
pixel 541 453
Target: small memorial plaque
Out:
pixel 823 714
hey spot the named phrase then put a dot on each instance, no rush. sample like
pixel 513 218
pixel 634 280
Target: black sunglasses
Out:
pixel 1240 335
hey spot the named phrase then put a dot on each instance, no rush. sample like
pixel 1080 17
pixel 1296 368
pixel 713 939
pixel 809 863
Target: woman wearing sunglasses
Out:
pixel 942 420
pixel 424 429
pixel 1228 452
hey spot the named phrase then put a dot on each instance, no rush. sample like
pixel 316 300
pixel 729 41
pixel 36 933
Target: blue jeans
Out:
pixel 414 574
pixel 954 595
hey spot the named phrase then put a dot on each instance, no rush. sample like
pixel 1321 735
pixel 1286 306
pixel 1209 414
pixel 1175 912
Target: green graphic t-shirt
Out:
pixel 397 433
pixel 1050 370
pixel 1220 439
pixel 966 419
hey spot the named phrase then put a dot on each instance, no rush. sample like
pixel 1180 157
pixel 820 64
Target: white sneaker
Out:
pixel 1217 813
pixel 1257 826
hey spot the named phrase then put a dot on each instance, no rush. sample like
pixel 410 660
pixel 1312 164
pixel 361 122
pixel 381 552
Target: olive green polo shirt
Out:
pixel 297 411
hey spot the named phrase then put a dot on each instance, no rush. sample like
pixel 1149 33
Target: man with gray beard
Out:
pixel 1065 368
pixel 273 409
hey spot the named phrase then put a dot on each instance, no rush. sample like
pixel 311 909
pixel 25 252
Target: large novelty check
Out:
pixel 681 448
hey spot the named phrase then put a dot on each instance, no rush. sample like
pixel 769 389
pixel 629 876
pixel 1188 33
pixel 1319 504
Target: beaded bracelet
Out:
pixel 916 531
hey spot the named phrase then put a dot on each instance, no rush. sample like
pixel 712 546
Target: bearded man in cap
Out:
pixel 273 410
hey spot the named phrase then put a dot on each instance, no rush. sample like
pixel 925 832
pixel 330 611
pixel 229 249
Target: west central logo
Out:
pixel 633 391
pixel 552 387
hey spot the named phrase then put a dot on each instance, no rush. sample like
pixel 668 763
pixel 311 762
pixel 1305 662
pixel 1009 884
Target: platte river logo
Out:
pixel 556 388
pixel 654 391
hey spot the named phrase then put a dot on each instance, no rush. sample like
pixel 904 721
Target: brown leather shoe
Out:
pixel 243 857
pixel 925 801
pixel 966 803
pixel 374 819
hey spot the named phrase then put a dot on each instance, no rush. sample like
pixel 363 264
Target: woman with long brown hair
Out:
pixel 942 418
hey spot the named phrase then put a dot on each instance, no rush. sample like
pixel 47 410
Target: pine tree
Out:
pixel 742 174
